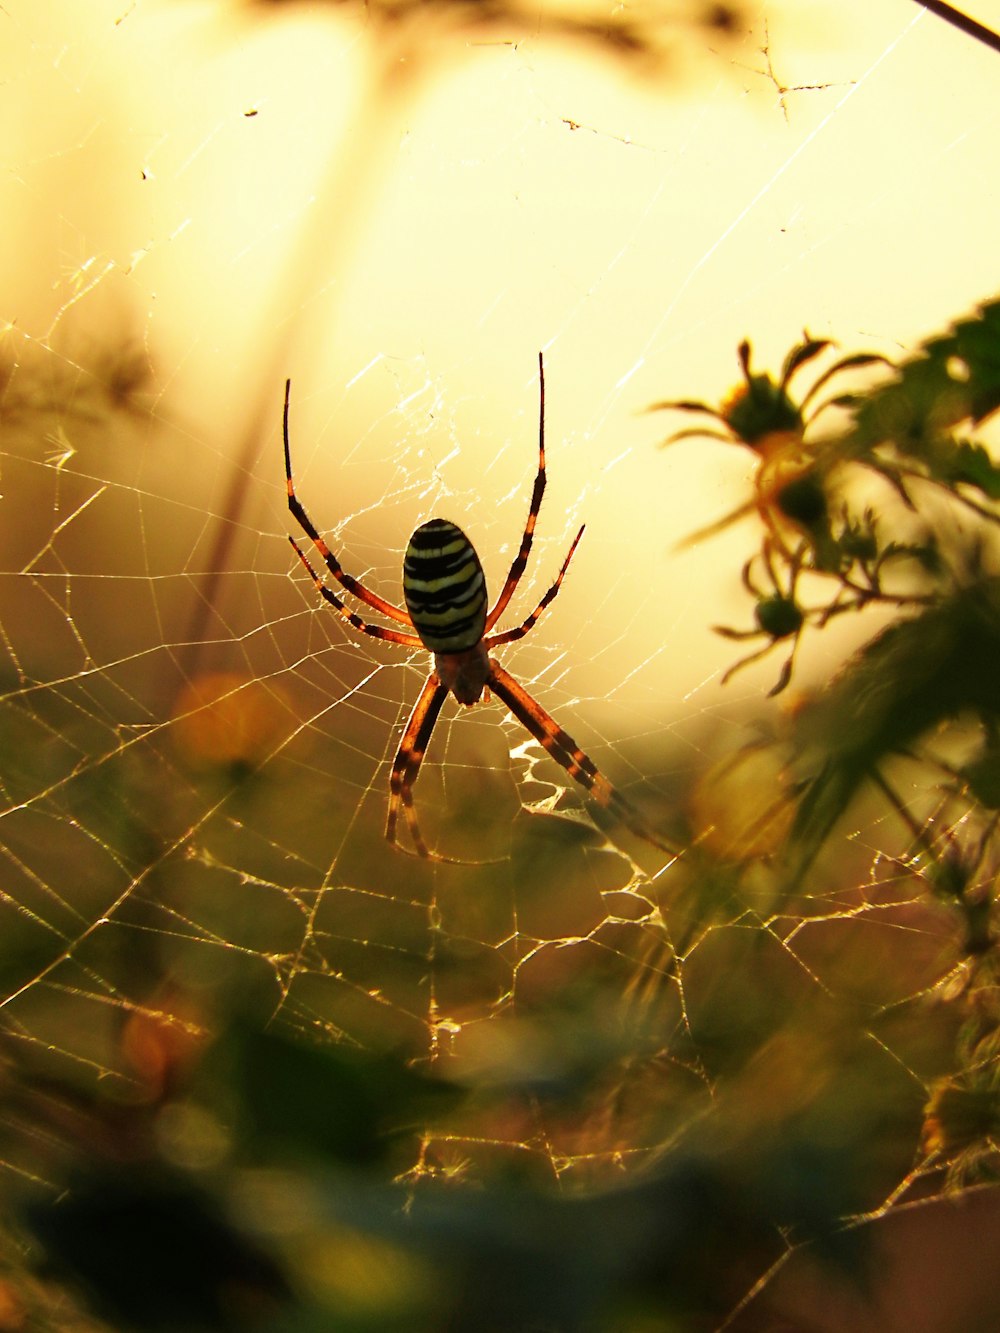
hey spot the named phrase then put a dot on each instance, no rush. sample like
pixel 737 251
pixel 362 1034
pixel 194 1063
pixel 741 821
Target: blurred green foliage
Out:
pixel 891 508
pixel 244 1091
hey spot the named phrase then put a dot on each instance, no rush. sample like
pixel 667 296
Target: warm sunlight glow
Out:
pixel 460 955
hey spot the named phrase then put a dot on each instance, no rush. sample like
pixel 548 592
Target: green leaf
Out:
pixel 952 378
pixel 972 465
pixel 936 666
pixel 334 1102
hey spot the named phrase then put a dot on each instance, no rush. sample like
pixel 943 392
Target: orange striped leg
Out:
pixel 406 765
pixel 520 561
pixel 352 585
pixel 352 618
pixel 510 635
pixel 565 751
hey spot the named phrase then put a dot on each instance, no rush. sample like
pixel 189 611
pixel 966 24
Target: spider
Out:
pixel 445 592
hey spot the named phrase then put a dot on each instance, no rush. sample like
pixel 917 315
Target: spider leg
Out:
pixel 565 751
pixel 510 635
pixel 352 585
pixel 352 618
pixel 406 765
pixel 521 559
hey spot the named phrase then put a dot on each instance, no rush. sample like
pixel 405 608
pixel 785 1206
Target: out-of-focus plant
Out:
pixel 892 505
pixel 646 1140
pixel 798 481
pixel 627 31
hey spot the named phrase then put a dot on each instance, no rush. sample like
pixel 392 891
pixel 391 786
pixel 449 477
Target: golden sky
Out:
pixel 247 193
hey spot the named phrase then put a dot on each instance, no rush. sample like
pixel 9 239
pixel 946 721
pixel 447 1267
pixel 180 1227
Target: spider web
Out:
pixel 195 754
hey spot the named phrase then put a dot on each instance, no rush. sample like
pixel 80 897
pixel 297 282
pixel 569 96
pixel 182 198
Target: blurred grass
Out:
pixel 262 1072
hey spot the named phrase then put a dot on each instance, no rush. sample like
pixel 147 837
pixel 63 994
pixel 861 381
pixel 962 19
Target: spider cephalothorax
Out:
pixel 448 613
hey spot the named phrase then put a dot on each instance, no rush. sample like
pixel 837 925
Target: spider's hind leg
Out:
pixel 406 769
pixel 406 765
pixel 577 763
